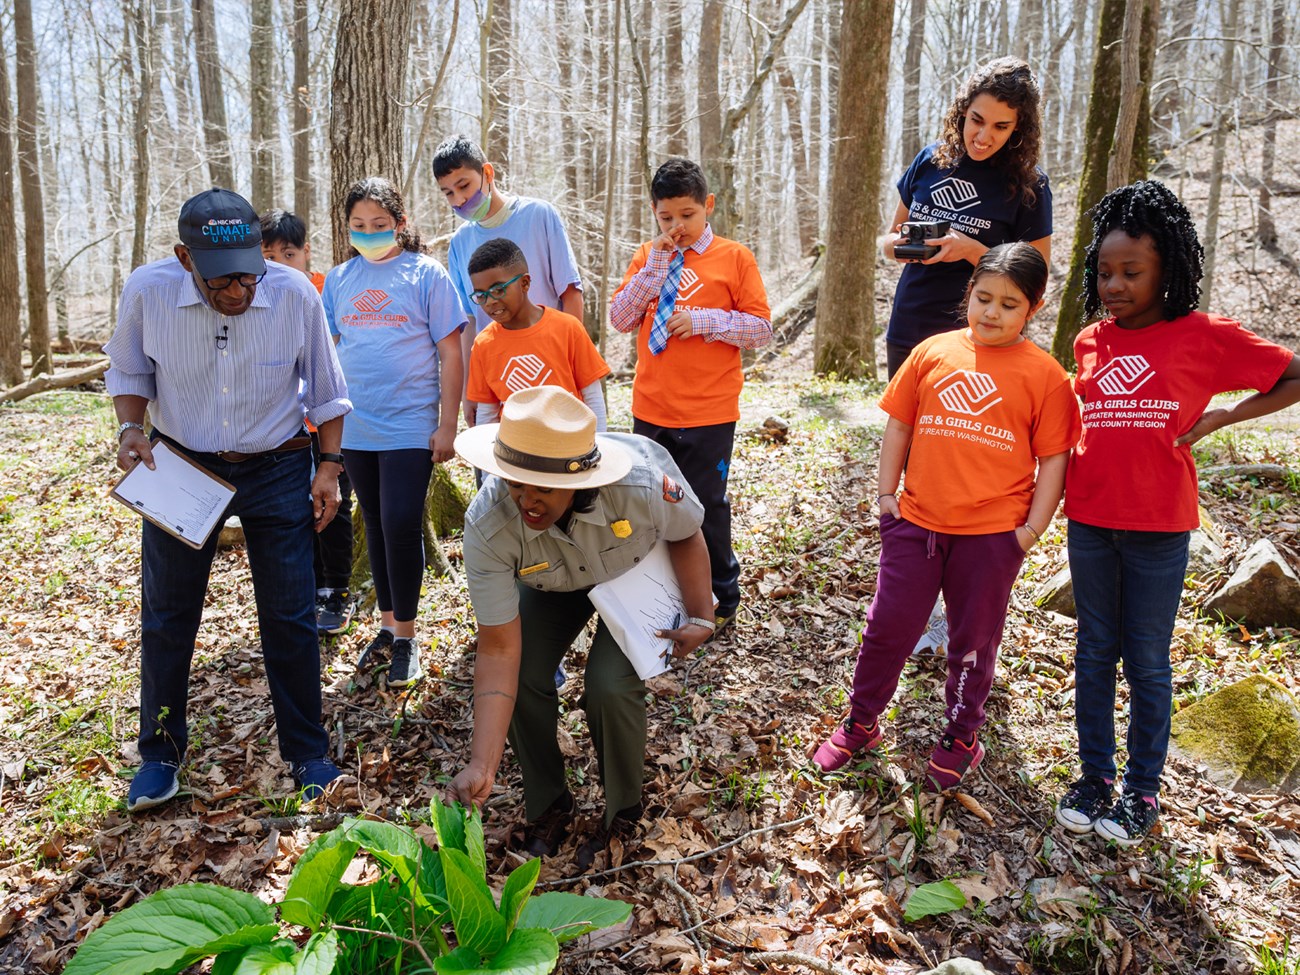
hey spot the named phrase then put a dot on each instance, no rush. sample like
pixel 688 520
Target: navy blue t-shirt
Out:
pixel 972 196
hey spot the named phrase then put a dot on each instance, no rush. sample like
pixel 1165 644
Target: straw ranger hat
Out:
pixel 547 438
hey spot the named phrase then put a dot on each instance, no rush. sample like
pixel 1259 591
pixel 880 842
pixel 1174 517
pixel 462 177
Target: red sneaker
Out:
pixel 836 751
pixel 951 759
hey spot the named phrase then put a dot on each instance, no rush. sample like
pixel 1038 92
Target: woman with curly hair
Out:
pixel 982 178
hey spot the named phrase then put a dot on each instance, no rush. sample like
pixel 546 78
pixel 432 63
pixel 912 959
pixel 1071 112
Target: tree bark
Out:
pixel 212 94
pixel 1132 87
pixel 63 380
pixel 366 112
pixel 1266 230
pixel 430 97
pixel 708 99
pixel 676 140
pixel 29 170
pixel 912 80
pixel 640 47
pixel 846 316
pixel 304 195
pixel 146 46
pixel 1225 106
pixel 496 90
pixel 11 335
pixel 1099 134
pixel 611 157
pixel 262 107
pixel 805 181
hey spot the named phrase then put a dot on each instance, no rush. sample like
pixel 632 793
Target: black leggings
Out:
pixel 391 486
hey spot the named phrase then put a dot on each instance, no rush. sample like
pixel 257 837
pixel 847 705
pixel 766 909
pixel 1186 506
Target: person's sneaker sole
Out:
pixel 141 803
pixel 1112 833
pixel 1079 824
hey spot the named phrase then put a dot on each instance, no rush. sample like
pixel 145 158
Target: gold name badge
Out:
pixel 529 570
pixel 621 528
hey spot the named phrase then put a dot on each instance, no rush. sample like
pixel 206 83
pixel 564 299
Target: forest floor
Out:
pixel 763 855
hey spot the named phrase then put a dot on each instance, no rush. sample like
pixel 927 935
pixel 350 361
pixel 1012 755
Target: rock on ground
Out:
pixel 1247 735
pixel 1264 591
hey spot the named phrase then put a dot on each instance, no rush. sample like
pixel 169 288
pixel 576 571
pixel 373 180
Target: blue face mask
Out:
pixel 373 246
pixel 476 207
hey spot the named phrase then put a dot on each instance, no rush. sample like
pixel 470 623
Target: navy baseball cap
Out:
pixel 223 234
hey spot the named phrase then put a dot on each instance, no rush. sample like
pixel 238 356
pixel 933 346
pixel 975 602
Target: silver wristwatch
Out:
pixel 128 425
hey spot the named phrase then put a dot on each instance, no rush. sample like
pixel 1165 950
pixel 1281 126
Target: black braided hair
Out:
pixel 1149 207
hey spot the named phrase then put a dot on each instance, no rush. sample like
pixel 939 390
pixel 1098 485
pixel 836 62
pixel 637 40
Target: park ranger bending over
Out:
pixel 567 509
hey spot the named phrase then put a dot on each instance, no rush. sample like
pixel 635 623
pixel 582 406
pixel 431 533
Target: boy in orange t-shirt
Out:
pixel 695 300
pixel 525 344
pixel 284 241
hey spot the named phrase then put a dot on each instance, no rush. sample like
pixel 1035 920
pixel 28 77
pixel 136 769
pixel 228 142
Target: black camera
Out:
pixel 914 234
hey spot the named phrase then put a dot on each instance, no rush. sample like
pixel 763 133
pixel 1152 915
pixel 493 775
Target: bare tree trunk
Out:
pixel 912 80
pixel 805 186
pixel 366 112
pixel 720 162
pixel 262 103
pixel 212 93
pixel 11 334
pixel 1266 231
pixel 640 38
pixel 1099 134
pixel 676 142
pixel 431 104
pixel 1170 103
pixel 1226 107
pixel 303 189
pixel 1132 88
pixel 570 132
pixel 29 170
pixel 708 98
pixel 495 62
pixel 611 158
pixel 845 340
pixel 146 43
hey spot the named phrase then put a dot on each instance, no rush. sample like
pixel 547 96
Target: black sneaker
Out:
pixel 381 644
pixel 1129 820
pixel 1084 803
pixel 334 611
pixel 405 668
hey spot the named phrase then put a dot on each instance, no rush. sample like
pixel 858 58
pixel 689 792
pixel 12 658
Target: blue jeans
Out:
pixel 272 501
pixel 1126 587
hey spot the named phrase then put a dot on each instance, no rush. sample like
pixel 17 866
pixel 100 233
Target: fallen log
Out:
pixel 60 380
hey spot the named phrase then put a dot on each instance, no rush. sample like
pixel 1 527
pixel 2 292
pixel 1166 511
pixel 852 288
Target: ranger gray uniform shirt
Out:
pixel 651 502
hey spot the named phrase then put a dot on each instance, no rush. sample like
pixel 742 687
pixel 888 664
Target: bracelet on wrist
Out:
pixel 890 495
pixel 1029 528
pixel 128 425
pixel 710 625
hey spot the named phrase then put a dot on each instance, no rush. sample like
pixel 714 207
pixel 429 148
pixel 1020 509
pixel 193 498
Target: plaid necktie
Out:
pixel 667 304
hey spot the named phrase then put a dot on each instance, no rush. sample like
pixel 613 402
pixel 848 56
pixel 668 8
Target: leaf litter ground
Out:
pixel 746 859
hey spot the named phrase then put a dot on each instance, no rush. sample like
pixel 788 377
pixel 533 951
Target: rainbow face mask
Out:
pixel 373 246
pixel 476 207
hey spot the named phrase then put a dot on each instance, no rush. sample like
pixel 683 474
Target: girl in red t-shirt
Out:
pixel 1146 375
pixel 989 420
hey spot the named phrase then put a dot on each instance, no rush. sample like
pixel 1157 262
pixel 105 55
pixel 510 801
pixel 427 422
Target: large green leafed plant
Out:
pixel 429 909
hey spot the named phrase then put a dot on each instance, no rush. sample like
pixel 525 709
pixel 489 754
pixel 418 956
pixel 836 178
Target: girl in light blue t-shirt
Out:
pixel 397 320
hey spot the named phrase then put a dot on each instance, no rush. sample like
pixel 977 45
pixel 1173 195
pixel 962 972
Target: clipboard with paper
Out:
pixel 179 496
pixel 637 604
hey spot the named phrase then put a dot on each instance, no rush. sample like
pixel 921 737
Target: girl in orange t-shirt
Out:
pixel 986 421
pixel 1147 372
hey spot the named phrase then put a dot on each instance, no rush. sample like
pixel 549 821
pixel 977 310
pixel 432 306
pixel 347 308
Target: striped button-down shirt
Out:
pixel 738 328
pixel 218 382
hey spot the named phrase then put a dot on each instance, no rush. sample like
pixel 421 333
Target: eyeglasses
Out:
pixel 245 281
pixel 496 292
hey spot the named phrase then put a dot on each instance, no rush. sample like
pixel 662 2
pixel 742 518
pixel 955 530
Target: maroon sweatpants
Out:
pixel 975 574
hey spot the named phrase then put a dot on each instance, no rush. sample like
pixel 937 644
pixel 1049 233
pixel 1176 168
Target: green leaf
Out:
pixel 172 929
pixel 530 951
pixel 449 825
pixel 518 886
pixel 568 916
pixel 473 911
pixel 283 958
pixel 316 876
pixel 474 844
pixel 939 897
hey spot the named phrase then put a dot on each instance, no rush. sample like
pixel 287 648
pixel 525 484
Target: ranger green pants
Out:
pixel 614 701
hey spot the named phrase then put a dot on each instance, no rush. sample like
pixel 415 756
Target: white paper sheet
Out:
pixel 638 603
pixel 177 495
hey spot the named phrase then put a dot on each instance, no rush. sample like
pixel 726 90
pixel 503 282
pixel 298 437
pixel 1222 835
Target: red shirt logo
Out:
pixel 371 300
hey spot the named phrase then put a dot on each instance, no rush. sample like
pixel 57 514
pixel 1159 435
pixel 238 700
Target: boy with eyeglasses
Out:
pixel 525 344
pixel 469 185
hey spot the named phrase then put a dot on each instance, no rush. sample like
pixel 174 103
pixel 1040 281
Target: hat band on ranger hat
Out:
pixel 506 454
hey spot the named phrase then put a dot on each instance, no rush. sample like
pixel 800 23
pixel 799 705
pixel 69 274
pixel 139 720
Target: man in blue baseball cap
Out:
pixel 228 354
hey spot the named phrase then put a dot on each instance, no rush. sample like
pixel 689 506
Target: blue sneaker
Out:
pixel 560 677
pixel 313 776
pixel 154 784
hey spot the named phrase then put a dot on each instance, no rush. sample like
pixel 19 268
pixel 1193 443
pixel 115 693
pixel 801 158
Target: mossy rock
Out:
pixel 1247 735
